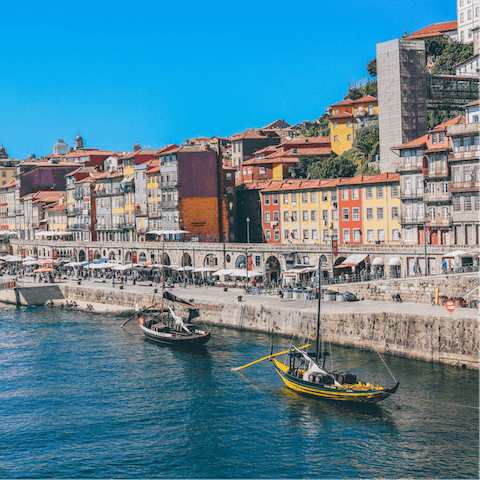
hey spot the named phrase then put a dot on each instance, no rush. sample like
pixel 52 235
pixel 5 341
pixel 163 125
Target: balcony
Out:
pixel 140 212
pixel 464 153
pixel 105 192
pixel 171 184
pixel 78 194
pixel 168 203
pixel 411 219
pixel 464 186
pixel 19 211
pixel 414 165
pixel 81 226
pixel 77 211
pixel 128 225
pixel 437 197
pixel 438 222
pixel 411 194
pixel 436 172
pixel 114 226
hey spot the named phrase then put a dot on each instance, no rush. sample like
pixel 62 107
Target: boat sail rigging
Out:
pixel 306 373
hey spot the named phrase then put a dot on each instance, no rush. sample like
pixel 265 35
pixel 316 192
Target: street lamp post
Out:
pixel 425 244
pixel 248 229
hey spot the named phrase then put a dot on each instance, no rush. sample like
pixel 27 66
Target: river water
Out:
pixel 82 398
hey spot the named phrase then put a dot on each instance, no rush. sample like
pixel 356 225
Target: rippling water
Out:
pixel 81 397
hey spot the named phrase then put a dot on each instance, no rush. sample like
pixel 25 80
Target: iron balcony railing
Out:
pixel 411 194
pixel 437 197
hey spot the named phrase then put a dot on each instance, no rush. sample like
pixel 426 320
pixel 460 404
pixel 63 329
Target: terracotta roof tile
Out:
pixel 433 30
pixel 418 142
pixel 343 103
pixel 341 115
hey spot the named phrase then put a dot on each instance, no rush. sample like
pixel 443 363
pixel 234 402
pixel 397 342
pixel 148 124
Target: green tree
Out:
pixel 367 141
pixel 371 89
pixel 355 94
pixel 435 46
pixel 334 167
pixel 372 67
pixel 304 165
pixel 453 53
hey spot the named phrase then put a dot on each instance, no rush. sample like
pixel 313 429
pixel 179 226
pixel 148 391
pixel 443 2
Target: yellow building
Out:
pixel 381 209
pixel 56 217
pixel 347 118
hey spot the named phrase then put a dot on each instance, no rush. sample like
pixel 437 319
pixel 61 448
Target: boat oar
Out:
pixel 136 313
pixel 235 369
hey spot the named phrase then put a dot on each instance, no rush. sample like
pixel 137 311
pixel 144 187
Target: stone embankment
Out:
pixel 414 330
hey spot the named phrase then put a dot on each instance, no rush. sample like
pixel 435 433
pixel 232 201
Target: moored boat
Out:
pixel 306 373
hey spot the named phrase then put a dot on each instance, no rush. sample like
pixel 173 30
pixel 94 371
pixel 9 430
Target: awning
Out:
pixel 377 261
pixel 344 265
pixel 354 260
pixel 395 262
pixel 457 253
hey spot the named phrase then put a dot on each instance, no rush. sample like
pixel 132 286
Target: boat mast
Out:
pixel 319 349
pixel 163 273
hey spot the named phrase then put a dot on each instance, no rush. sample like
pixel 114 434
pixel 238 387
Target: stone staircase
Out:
pixel 29 296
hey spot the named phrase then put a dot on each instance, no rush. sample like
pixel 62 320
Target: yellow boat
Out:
pixel 306 373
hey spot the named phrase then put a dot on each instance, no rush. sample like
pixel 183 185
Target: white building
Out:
pixel 468 16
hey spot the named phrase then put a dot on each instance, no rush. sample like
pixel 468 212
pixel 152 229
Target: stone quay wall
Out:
pixel 429 338
pixel 417 289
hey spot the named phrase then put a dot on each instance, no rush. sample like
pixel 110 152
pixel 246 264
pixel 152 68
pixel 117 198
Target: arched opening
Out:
pixel 240 261
pixel 112 256
pixel 186 260
pixel 165 259
pixel 324 265
pixel 306 260
pixel 142 257
pixel 96 255
pixel 272 269
pixel 81 256
pixel 152 257
pixel 210 261
pixel 128 257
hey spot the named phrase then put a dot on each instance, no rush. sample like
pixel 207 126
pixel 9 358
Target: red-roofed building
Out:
pixel 446 30
pixel 246 143
pixel 347 118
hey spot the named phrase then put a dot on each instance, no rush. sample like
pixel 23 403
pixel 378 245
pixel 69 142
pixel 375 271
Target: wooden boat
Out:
pixel 306 374
pixel 168 328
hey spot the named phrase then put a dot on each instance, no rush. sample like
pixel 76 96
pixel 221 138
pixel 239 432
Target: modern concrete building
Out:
pixel 402 96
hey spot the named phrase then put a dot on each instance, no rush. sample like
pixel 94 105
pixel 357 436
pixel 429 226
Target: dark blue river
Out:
pixel 82 398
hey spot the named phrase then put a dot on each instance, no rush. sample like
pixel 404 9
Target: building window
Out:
pixel 355 193
pixel 294 216
pixel 267 200
pixel 456 204
pixel 286 234
pixel 295 234
pixel 276 235
pixel 313 197
pixel 467 204
pixel 324 196
pixel 349 124
pixel 349 137
pixel 381 234
pixel 379 192
pixel 325 215
pixel 335 125
pixel 434 138
pixel 346 214
pixel 294 198
pixel 335 214
pixel 268 235
pixel 369 213
pixel 276 216
pixel 285 198
pixel 305 215
pixel 369 193
pixel 356 214
pixel 441 136
pixel 304 197
pixel 394 191
pixel 313 215
pixel 395 234
pixel 267 217
pixel 345 194
pixel 370 235
pixel 262 170
pixel 379 213
pixel 275 199
pixel 346 235
pixel 305 234
pixel 394 213
pixel 335 138
pixel 356 235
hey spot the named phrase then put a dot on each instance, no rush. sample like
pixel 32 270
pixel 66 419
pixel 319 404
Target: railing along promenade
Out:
pixel 326 249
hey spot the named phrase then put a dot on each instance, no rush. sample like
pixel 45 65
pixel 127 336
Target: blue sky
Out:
pixel 160 72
